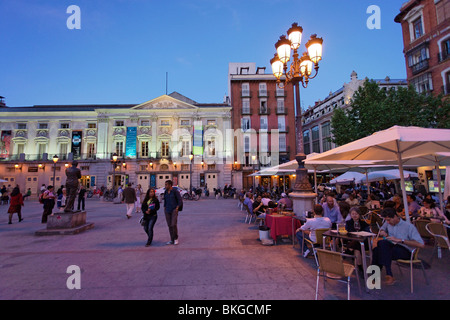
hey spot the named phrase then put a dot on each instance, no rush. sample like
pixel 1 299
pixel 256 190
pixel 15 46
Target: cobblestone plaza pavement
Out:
pixel 218 258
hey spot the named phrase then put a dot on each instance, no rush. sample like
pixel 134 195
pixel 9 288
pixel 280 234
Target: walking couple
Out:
pixel 172 204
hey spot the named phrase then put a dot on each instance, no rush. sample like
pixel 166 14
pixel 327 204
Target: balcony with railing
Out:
pixel 245 93
pixel 420 66
pixel 262 93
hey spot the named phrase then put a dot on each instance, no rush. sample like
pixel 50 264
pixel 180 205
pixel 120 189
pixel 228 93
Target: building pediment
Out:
pixel 165 103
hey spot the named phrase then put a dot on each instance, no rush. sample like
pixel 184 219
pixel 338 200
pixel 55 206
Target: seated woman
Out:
pixel 431 212
pixel 356 224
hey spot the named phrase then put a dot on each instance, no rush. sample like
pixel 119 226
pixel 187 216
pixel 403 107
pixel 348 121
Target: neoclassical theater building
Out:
pixel 153 142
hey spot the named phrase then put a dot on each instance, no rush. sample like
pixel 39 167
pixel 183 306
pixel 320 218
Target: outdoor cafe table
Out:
pixel 280 225
pixel 361 237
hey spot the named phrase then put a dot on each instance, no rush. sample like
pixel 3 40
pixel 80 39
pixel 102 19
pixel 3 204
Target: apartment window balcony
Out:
pixel 262 93
pixel 280 93
pixel 246 111
pixel 420 66
pixel 263 110
pixel 281 111
pixel 245 94
pixel 284 130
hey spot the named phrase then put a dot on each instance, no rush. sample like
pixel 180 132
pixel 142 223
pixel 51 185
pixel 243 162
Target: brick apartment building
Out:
pixel 263 117
pixel 426 40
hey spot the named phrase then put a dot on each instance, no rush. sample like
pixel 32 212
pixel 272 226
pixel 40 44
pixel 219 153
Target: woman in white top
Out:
pixel 429 211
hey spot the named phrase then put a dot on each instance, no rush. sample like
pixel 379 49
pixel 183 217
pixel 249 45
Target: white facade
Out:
pixel 153 141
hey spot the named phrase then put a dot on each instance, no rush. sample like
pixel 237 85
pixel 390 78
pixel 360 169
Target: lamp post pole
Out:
pixel 55 160
pixel 191 156
pixel 114 161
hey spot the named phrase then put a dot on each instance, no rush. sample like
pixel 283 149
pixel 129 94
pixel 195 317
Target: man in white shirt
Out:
pixel 318 222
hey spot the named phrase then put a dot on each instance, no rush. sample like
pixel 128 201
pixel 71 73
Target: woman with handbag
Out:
pixel 150 207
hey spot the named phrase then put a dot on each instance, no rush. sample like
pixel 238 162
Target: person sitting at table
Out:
pixel 258 207
pixel 398 203
pixel 429 211
pixel 356 224
pixel 413 206
pixel 248 201
pixel 373 202
pixel 351 200
pixel 285 202
pixel 265 199
pixel 307 231
pixel 332 211
pixel 398 236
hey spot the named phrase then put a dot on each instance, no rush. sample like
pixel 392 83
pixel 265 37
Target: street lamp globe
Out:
pixel 283 47
pixel 305 65
pixel 55 158
pixel 277 67
pixel 114 157
pixel 295 35
pixel 314 47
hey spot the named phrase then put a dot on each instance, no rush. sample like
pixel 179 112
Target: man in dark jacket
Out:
pixel 129 197
pixel 172 202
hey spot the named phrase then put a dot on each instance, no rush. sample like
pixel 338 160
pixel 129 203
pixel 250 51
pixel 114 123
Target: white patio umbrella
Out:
pixel 348 177
pixel 434 159
pixel 393 174
pixel 393 144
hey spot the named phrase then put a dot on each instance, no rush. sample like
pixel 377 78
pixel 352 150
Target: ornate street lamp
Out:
pixel 299 71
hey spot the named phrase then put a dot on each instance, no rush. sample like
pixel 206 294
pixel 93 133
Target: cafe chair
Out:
pixel 241 203
pixel 248 215
pixel 421 228
pixel 413 260
pixel 376 221
pixel 331 262
pixel 439 232
pixel 260 219
pixel 317 244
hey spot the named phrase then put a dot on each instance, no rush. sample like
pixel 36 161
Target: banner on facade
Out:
pixel 5 143
pixel 198 140
pixel 130 149
pixel 76 144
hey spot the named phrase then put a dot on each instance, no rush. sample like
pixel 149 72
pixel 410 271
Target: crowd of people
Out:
pixel 261 201
pixel 396 237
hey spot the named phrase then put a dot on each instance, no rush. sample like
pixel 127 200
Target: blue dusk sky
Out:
pixel 125 47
